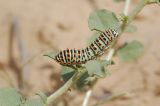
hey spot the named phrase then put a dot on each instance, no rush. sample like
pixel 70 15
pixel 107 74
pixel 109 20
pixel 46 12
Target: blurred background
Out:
pixel 31 28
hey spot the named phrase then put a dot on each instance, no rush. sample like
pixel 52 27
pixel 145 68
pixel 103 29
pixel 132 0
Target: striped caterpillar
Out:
pixel 96 48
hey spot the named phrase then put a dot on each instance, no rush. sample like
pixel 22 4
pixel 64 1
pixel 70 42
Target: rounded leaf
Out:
pixel 131 51
pixel 95 68
pixel 102 20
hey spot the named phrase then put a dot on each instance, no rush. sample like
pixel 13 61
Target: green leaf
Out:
pixel 10 97
pixel 131 51
pixel 83 80
pixel 95 68
pixel 158 2
pixel 67 73
pixel 42 96
pixel 102 20
pixel 131 28
pixel 106 63
pixel 93 37
pixel 33 102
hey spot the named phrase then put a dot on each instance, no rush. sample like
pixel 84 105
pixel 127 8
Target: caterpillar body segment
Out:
pixel 96 48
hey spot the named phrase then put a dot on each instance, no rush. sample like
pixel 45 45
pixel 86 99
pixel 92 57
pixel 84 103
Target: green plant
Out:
pixel 88 74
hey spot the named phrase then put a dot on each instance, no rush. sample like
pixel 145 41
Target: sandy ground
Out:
pixel 60 24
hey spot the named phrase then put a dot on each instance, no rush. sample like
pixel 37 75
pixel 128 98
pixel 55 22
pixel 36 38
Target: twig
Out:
pixel 87 96
pixel 65 87
pixel 89 92
pixel 126 7
pixel 12 63
pixel 136 10
pixel 129 18
pixel 22 50
pixel 110 54
pixel 60 91
pixel 113 97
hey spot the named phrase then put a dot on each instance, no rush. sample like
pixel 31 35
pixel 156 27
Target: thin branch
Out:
pixel 136 10
pixel 60 91
pixel 22 51
pixel 113 97
pixel 89 92
pixel 66 86
pixel 12 63
pixel 86 99
pixel 126 7
pixel 128 19
pixel 110 54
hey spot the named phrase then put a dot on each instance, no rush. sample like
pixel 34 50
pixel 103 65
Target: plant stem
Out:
pixel 110 54
pixel 128 19
pixel 136 10
pixel 61 90
pixel 133 14
pixel 89 92
pixel 87 96
pixel 100 102
pixel 65 87
pixel 126 7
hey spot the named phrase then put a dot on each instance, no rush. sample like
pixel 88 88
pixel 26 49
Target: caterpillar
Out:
pixel 96 48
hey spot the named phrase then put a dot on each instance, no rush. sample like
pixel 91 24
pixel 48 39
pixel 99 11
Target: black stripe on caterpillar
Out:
pixel 96 48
